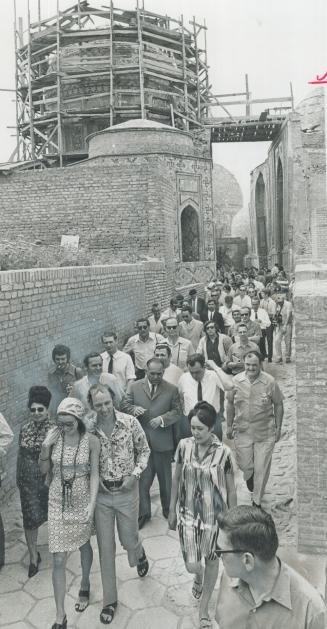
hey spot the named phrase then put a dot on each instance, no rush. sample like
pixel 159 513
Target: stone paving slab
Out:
pixel 163 599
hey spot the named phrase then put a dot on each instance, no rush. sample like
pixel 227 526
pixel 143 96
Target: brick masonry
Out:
pixel 311 395
pixel 73 305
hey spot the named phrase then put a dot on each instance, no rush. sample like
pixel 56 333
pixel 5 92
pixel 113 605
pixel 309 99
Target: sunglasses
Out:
pixel 38 409
pixel 65 425
pixel 245 314
pixel 219 552
pixel 171 327
pixel 142 327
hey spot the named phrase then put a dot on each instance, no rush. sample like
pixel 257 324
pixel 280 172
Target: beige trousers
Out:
pixel 254 457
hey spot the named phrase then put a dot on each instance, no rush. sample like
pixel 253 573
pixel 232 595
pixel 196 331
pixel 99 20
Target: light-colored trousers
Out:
pixel 254 457
pixel 122 507
pixel 279 336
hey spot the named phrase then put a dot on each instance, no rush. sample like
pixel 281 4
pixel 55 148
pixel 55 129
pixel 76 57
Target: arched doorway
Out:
pixel 280 213
pixel 260 210
pixel 190 235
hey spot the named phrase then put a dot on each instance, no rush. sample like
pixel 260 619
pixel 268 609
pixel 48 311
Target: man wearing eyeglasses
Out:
pixel 235 358
pixel 257 589
pixel 189 328
pixel 181 348
pixel 254 330
pixel 142 345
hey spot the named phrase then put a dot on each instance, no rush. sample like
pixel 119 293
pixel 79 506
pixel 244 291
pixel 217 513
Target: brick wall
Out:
pixel 311 397
pixel 41 307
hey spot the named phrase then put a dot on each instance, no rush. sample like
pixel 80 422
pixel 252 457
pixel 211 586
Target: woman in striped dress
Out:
pixel 203 485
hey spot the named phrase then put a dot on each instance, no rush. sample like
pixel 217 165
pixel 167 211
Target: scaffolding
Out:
pixel 87 68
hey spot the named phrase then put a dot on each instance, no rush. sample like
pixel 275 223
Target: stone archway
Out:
pixel 280 212
pixel 260 210
pixel 190 234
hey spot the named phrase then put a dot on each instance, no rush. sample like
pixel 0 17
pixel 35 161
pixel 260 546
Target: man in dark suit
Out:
pixel 198 304
pixel 212 314
pixel 156 405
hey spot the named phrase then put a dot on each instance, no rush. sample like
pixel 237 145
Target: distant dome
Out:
pixel 227 199
pixel 241 225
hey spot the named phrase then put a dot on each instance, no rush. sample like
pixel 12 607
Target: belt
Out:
pixel 112 484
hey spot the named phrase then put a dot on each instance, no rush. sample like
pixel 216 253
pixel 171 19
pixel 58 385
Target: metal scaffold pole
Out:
pixel 59 115
pixel 30 93
pixel 141 71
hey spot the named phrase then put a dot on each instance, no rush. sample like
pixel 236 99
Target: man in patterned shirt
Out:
pixel 124 454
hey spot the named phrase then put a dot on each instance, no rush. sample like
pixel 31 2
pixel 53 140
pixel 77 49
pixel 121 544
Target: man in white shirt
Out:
pixel 269 305
pixel 6 437
pixel 242 299
pixel 172 373
pixel 203 381
pixel 261 316
pixel 156 325
pixel 116 362
pixel 227 312
pixel 142 346
pixel 189 328
pixel 95 375
pixel 172 311
pixel 181 348
pixel 284 325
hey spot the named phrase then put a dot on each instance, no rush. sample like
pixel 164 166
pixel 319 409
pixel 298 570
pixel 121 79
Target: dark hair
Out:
pixel 211 299
pixel 91 355
pixel 251 529
pixel 163 346
pixel 227 288
pixel 210 323
pixel 59 350
pixel 196 358
pixel 188 309
pixel 109 333
pixel 100 388
pixel 142 321
pixel 154 359
pixel 246 308
pixel 228 299
pixel 205 413
pixel 179 296
pixel 240 324
pixel 254 352
pixel 156 305
pixel 39 395
pixel 173 301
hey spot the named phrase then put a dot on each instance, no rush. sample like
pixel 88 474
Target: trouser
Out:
pixel 254 458
pixel 185 427
pixel 122 507
pixel 270 338
pixel 287 336
pixel 159 464
pixel 2 543
pixel 262 344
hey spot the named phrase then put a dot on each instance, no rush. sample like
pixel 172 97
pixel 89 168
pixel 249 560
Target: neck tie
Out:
pixel 110 365
pixel 153 388
pixel 199 392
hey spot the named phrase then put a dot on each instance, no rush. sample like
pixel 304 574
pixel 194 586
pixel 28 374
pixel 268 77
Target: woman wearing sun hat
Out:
pixel 72 455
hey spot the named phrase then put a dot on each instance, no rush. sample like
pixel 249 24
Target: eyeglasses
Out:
pixel 142 327
pixel 38 409
pixel 219 552
pixel 244 314
pixel 171 327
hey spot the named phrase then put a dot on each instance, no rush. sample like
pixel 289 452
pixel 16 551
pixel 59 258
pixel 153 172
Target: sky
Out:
pixel 274 42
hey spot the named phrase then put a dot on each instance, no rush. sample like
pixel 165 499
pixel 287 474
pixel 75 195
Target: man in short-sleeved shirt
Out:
pixel 118 363
pixel 254 420
pixel 142 346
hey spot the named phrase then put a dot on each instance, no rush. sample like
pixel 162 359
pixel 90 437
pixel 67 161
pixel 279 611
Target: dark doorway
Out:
pixel 190 235
pixel 260 210
pixel 280 213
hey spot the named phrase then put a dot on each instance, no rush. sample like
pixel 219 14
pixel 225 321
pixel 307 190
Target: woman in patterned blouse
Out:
pixel 203 485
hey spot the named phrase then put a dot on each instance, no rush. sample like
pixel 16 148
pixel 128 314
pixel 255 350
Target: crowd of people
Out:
pixel 98 435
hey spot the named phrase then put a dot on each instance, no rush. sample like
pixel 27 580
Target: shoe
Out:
pixel 288 360
pixel 249 483
pixel 32 568
pixel 142 566
pixel 80 606
pixel 62 625
pixel 269 360
pixel 165 514
pixel 108 610
pixel 279 361
pixel 254 504
pixel 142 520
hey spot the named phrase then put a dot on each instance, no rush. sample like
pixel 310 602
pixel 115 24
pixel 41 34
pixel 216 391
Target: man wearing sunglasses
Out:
pixel 141 346
pixel 257 589
pixel 181 349
pixel 254 330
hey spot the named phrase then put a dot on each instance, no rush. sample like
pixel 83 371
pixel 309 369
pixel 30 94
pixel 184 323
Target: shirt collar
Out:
pixel 281 592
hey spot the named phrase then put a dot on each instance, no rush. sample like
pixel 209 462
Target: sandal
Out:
pixel 205 623
pixel 142 566
pixel 62 625
pixel 197 588
pixel 80 606
pixel 108 610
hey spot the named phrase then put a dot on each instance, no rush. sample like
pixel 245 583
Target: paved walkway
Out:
pixel 163 599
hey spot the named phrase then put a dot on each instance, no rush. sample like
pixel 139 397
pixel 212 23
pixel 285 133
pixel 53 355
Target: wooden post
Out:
pixel 248 96
pixel 111 103
pixel 30 93
pixel 16 84
pixel 184 73
pixel 59 115
pixel 206 62
pixel 197 71
pixel 172 115
pixel 141 69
